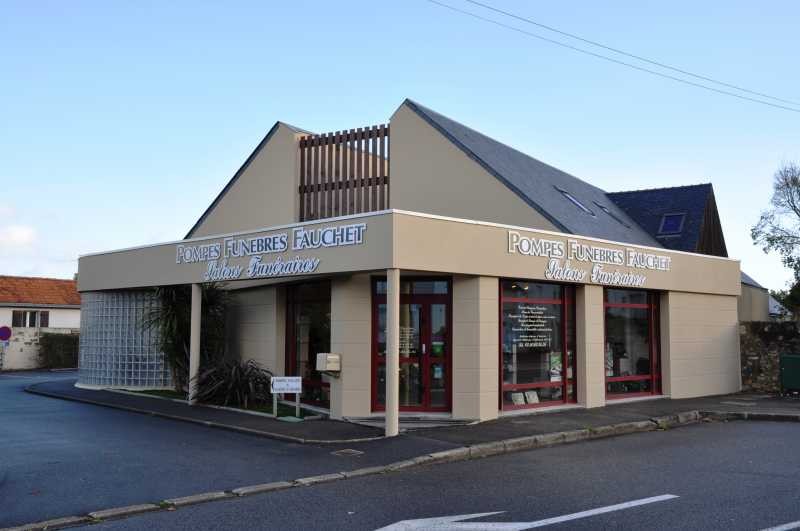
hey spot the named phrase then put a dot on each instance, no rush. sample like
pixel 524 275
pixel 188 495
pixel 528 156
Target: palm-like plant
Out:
pixel 170 317
pixel 234 383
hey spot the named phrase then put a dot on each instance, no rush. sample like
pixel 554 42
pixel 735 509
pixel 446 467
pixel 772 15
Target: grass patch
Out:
pixel 283 409
pixel 165 393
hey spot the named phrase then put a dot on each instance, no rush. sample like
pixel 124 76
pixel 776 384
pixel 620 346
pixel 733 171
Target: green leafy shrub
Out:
pixel 58 351
pixel 234 383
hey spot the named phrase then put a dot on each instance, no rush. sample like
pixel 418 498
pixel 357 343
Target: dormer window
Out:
pixel 611 214
pixel 672 223
pixel 571 198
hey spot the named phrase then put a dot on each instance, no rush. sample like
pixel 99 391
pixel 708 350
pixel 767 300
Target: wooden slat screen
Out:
pixel 346 172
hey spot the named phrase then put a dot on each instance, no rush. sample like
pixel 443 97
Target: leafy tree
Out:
pixel 789 298
pixel 778 228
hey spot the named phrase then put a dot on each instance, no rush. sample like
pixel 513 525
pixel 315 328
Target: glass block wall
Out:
pixel 116 350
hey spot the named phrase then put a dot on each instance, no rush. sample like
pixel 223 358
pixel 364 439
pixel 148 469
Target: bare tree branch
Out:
pixel 778 228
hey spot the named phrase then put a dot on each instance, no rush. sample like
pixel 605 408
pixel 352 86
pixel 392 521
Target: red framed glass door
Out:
pixel 632 343
pixel 425 351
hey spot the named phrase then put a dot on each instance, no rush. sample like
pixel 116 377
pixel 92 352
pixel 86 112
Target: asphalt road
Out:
pixel 741 475
pixel 61 458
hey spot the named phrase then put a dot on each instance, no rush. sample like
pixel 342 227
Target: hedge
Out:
pixel 58 351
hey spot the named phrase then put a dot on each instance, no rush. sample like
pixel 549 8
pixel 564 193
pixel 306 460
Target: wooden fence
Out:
pixel 346 172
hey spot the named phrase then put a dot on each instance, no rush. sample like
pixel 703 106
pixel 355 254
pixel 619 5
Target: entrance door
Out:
pixel 308 332
pixel 424 346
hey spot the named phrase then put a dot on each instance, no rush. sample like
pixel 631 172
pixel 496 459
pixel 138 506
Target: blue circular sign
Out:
pixel 5 333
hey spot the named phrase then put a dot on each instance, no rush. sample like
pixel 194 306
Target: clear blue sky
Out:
pixel 121 121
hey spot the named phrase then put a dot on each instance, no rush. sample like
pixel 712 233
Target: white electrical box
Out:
pixel 329 362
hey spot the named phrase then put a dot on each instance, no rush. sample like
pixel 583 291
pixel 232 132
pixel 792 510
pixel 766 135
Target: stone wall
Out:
pixel 762 344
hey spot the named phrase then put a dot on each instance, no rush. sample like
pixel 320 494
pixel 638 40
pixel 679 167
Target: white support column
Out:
pixel 392 352
pixel 194 341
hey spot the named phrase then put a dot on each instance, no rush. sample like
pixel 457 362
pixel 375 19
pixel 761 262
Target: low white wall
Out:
pixel 22 351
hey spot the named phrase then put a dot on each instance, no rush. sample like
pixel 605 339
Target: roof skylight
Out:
pixel 574 201
pixel 672 223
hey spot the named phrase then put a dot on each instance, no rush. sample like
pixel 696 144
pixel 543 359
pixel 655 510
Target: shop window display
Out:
pixel 538 344
pixel 631 343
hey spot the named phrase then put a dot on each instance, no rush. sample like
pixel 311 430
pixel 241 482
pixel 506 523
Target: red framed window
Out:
pixel 308 332
pixel 537 344
pixel 632 343
pixel 425 344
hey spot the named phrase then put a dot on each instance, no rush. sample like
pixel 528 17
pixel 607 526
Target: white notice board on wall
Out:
pixel 286 384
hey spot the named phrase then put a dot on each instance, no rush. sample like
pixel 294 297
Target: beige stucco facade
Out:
pixel 256 326
pixel 700 344
pixel 698 303
pixel 264 193
pixel 351 335
pixel 475 339
pixel 449 218
pixel 589 343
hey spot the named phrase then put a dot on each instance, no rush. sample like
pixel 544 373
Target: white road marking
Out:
pixel 784 527
pixel 456 523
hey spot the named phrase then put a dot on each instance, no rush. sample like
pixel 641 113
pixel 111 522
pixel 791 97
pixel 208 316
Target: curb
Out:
pixel 197 498
pixel 750 415
pixel 56 523
pixel 120 512
pixel 208 424
pixel 463 453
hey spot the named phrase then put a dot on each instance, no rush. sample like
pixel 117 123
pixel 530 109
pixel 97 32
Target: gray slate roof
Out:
pixel 750 281
pixel 537 184
pixel 776 308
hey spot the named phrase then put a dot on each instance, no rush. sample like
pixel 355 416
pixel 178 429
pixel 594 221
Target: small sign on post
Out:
pixel 283 385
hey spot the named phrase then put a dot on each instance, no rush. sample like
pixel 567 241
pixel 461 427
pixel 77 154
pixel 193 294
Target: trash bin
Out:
pixel 790 373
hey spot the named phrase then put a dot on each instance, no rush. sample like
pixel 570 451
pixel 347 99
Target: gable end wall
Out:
pixel 264 193
pixel 432 175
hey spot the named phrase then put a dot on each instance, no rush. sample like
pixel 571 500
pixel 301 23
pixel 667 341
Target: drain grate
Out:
pixel 347 452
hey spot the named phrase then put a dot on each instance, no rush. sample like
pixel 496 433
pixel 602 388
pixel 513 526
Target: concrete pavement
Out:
pixel 318 431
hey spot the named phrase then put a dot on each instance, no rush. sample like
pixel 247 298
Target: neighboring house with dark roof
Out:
pixel 685 218
pixel 754 300
pixel 31 306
